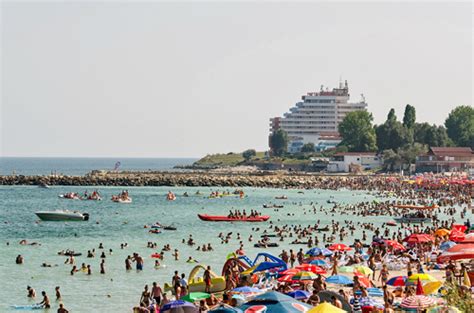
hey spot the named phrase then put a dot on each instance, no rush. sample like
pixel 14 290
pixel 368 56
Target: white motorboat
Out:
pixel 62 216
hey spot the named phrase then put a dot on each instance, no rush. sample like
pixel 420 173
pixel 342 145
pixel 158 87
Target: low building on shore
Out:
pixel 350 161
pixel 446 159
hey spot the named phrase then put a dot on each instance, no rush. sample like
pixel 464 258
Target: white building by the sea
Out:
pixel 316 118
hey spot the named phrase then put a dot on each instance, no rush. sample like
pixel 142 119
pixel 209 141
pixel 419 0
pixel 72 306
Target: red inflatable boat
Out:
pixel 221 218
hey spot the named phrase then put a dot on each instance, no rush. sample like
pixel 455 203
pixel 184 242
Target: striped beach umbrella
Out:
pixel 417 302
pixel 304 275
pixel 397 281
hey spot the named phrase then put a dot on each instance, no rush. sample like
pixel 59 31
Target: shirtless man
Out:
pixel 45 303
pixel 62 309
pixel 31 292
pixel 207 279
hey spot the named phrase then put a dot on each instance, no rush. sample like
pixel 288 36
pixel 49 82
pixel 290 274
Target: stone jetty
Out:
pixel 231 179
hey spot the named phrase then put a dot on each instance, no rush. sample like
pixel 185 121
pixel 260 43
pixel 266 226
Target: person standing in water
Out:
pixel 102 266
pixel 45 303
pixel 58 293
pixel 207 279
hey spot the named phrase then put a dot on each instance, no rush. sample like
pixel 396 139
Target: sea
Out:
pixel 112 224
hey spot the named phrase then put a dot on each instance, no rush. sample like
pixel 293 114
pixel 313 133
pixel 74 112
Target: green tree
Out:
pixel 307 147
pixel 460 126
pixel 408 154
pixel 391 115
pixel 409 117
pixel 279 142
pixel 392 135
pixel 248 154
pixel 391 160
pixel 357 132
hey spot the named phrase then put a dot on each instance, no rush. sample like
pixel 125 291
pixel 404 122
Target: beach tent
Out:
pixel 274 302
pixel 326 307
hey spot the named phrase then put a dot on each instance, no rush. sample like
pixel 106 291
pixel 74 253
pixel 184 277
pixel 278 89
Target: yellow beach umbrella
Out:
pixel 442 232
pixel 326 307
pixel 466 281
pixel 423 277
pixel 364 270
pixel 431 287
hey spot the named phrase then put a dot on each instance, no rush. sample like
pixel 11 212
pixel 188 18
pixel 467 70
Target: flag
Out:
pixel 117 165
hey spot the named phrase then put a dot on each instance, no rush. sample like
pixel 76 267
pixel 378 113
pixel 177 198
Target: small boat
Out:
pixel 169 227
pixel 43 185
pixel 222 218
pixel 412 219
pixel 62 216
pixel 391 223
pixel 266 245
pixel 155 231
pixel 69 253
pixel 281 197
pixel 326 228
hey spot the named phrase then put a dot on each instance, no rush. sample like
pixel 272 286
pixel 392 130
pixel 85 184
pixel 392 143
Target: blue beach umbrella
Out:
pixel 179 306
pixel 319 262
pixel 447 245
pixel 339 280
pixel 314 251
pixel 373 292
pixel 299 294
pixel 246 289
pixel 274 302
pixel 224 308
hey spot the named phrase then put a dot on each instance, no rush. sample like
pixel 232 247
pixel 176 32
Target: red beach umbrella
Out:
pixel 286 279
pixel 290 271
pixel 339 247
pixel 395 245
pixel 418 238
pixel 311 268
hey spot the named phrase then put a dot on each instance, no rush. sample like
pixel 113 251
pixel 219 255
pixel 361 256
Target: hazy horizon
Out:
pixel 181 80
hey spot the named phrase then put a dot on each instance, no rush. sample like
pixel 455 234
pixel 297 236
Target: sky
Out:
pixel 155 79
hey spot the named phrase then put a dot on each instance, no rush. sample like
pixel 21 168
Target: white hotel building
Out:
pixel 316 118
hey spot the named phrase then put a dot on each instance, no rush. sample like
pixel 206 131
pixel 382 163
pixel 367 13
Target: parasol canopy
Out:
pixel 339 247
pixel 417 302
pixel 326 307
pixel 274 302
pixel 338 280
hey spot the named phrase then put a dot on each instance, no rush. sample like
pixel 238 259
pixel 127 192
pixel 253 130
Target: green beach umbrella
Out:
pixel 195 296
pixel 346 269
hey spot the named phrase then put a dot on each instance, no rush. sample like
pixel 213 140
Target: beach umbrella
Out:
pixel 339 247
pixel 368 301
pixel 373 292
pixel 179 306
pixel 417 302
pixel 363 280
pixel 304 275
pixel 338 280
pixel 442 232
pixel 395 245
pixel 311 268
pixel 419 288
pixel 299 294
pixel 444 309
pixel 326 307
pixel 463 247
pixel 326 296
pixel 432 287
pixel 364 270
pixel 274 302
pixel 286 279
pixel 290 271
pixel 418 238
pixel 195 296
pixel 419 276
pixel 397 281
pixel 314 251
pixel 246 289
pixel 466 280
pixel 446 245
pixel 224 308
pixel 319 262
pixel 457 236
pixel 346 269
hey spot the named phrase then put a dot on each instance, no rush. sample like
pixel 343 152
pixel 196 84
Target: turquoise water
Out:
pixel 119 223
pixel 81 166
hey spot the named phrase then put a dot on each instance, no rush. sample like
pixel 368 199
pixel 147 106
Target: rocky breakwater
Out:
pixel 97 178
